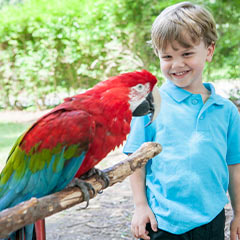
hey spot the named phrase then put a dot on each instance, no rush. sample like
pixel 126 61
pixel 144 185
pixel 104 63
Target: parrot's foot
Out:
pixel 101 176
pixel 86 188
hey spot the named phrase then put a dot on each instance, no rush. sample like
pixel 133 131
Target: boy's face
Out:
pixel 184 66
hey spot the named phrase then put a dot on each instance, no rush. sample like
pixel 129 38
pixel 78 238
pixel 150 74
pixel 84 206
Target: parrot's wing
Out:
pixel 56 146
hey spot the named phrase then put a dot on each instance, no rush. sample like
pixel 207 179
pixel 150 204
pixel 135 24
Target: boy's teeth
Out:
pixel 180 73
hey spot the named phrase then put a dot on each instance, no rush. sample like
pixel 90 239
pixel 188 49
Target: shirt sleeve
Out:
pixel 139 134
pixel 233 143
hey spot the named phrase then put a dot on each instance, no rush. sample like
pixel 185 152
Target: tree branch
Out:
pixel 30 211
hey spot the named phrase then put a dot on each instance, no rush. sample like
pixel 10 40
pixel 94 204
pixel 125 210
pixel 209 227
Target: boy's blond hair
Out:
pixel 184 22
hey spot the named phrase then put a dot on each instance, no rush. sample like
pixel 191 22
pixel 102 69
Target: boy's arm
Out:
pixel 142 214
pixel 234 192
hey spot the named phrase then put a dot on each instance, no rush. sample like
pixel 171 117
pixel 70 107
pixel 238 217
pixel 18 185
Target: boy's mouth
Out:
pixel 180 74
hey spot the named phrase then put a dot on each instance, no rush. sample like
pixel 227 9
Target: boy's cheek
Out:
pixel 162 64
pixel 164 69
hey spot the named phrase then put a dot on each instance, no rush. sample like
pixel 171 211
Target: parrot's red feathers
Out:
pixel 100 118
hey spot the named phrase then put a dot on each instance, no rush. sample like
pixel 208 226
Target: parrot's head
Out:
pixel 142 94
pixel 137 89
pixel 144 97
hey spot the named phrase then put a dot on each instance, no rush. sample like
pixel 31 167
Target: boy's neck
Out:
pixel 205 96
pixel 202 90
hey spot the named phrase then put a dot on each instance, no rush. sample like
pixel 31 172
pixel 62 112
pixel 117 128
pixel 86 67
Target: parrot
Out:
pixel 73 137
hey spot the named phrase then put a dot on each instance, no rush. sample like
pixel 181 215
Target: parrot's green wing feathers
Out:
pixel 40 171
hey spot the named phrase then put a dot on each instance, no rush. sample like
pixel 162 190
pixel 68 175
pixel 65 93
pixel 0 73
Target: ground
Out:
pixel 109 214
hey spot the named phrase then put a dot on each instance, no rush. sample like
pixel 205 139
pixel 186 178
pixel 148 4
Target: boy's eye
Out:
pixel 166 57
pixel 187 54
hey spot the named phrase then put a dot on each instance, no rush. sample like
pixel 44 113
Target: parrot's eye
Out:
pixel 139 87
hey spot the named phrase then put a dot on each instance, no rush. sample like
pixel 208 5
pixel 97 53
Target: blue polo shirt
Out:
pixel 186 183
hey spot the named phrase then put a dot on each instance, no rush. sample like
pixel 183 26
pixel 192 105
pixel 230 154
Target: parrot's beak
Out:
pixel 151 105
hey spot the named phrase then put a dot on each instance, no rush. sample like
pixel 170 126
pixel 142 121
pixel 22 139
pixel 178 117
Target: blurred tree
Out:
pixel 138 17
pixel 50 45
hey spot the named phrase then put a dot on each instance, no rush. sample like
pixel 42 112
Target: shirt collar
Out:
pixel 179 94
pixel 214 97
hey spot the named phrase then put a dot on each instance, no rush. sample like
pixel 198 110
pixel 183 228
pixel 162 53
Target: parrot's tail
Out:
pixel 25 233
pixel 30 232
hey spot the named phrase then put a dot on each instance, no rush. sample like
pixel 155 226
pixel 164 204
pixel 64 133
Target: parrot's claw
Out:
pixel 86 188
pixel 101 176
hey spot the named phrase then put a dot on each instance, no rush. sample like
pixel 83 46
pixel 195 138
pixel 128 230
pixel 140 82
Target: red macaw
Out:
pixel 73 137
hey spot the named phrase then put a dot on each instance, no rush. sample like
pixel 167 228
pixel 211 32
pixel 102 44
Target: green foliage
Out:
pixel 45 44
pixel 226 58
pixel 48 46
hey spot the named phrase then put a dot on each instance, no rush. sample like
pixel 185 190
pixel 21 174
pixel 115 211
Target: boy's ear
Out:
pixel 210 51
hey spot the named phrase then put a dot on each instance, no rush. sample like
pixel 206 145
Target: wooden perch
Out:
pixel 30 211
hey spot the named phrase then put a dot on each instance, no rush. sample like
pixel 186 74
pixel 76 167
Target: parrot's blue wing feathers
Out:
pixel 40 183
pixel 69 172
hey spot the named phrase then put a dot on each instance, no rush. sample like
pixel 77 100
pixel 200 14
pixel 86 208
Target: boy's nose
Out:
pixel 178 63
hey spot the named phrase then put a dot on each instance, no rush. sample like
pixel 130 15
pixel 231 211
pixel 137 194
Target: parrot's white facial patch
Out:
pixel 138 94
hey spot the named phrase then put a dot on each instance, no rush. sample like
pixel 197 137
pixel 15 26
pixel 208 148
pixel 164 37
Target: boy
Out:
pixel 181 193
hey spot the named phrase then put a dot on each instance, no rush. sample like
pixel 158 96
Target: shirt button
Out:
pixel 202 117
pixel 194 101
